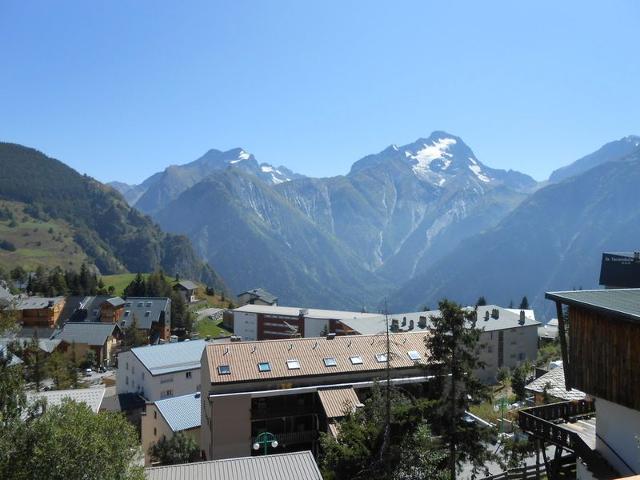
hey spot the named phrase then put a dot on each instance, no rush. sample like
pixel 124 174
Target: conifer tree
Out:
pixel 453 346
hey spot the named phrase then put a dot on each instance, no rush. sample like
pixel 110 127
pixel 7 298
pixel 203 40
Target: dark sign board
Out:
pixel 620 270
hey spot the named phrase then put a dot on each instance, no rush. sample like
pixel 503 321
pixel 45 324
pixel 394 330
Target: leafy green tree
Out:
pixel 524 303
pixel 90 359
pixel 178 449
pixel 133 336
pixel 59 370
pixel 69 441
pixel 453 344
pixel 519 382
pixel 367 449
pixel 503 375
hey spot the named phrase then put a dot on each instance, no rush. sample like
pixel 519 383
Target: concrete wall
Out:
pixel 133 377
pixel 520 344
pixel 619 427
pixel 314 327
pixel 245 325
pixel 231 426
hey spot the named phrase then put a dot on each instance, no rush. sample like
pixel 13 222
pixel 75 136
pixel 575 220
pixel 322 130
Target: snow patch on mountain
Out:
pixel 478 173
pixel 437 150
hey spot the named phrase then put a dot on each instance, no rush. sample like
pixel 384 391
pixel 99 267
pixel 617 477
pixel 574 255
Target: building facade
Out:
pixel 295 388
pixel 160 371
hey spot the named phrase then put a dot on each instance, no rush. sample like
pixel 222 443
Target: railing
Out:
pixel 544 422
pixel 531 472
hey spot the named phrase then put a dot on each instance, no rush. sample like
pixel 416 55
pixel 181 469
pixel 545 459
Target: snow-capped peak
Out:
pixel 437 150
pixel 273 174
pixel 242 155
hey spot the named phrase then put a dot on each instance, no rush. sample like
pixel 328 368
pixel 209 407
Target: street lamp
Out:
pixel 265 439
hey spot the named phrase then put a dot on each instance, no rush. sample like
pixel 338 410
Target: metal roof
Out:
pixel 338 401
pixel 170 357
pixel 29 303
pixel 91 333
pixel 243 357
pixel 115 301
pixel 287 466
pixel 181 413
pixel 91 396
pixel 306 312
pixel 556 386
pixel 187 284
pixel 262 294
pixel 623 303
pixel 507 318
pixel 14 359
pixel 139 306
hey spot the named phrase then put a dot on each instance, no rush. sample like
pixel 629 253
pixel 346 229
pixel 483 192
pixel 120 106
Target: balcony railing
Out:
pixel 293 438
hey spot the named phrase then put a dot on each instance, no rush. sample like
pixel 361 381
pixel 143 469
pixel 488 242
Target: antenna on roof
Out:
pixel 404 340
pixel 290 346
pixel 226 350
pixel 315 345
pixel 253 349
pixel 349 344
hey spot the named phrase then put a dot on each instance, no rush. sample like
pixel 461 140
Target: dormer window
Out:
pixel 356 360
pixel 414 355
pixel 147 313
pixel 224 370
pixel 293 364
pixel 330 362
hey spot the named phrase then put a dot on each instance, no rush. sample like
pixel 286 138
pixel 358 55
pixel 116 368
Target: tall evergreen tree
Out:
pixel 481 302
pixel 453 345
pixel 524 304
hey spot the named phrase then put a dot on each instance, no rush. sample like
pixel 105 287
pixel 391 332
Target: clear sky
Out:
pixel 121 89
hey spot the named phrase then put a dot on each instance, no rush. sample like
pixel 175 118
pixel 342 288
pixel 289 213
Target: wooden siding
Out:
pixel 604 357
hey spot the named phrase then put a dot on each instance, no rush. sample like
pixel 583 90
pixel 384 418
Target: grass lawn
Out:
pixel 121 280
pixel 211 328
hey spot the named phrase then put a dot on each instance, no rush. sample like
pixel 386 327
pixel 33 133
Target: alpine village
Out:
pixel 211 316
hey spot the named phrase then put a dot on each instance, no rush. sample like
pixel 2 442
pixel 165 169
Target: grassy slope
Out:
pixel 38 243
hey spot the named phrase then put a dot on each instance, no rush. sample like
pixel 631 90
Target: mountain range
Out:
pixel 340 242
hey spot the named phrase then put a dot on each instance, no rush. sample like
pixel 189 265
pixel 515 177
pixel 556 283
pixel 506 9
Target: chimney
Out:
pixel 394 325
pixel 410 324
pixel 50 304
pixel 404 321
pixel 486 315
pixel 495 313
pixel 522 317
pixel 636 256
pixel 422 322
pixel 331 336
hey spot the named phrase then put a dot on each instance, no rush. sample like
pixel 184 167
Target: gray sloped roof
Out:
pixel 623 303
pixel 91 396
pixel 116 301
pixel 139 306
pixel 287 466
pixel 14 360
pixel 170 357
pixel 91 333
pixel 181 413
pixel 187 284
pixel 28 303
pixel 262 294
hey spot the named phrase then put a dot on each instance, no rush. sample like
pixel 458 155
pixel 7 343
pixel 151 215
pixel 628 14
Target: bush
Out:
pixel 7 245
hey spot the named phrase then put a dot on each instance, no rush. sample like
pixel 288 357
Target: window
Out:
pixel 413 355
pixel 155 415
pixel 126 380
pixel 293 364
pixel 148 304
pixel 127 365
pixel 139 304
pixel 147 313
pixel 521 356
pixel 128 304
pixel 224 370
pixel 356 360
pixel 155 432
pixel 330 362
pixel 188 374
pixel 264 367
pixel 127 312
pixel 381 357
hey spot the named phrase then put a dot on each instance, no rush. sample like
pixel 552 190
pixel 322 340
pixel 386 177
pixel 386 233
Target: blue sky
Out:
pixel 120 90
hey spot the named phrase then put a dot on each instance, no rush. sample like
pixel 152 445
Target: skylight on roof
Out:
pixel 330 362
pixel 356 360
pixel 264 367
pixel 293 364
pixel 413 355
pixel 224 370
pixel 381 357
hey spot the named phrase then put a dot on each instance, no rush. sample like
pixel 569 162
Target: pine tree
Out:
pixel 481 302
pixel 453 344
pixel 133 337
pixel 524 304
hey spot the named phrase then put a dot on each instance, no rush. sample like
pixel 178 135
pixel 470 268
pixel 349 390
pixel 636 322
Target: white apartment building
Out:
pixel 160 371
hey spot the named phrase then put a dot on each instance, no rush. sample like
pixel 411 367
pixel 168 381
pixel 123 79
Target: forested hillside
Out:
pixel 112 235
